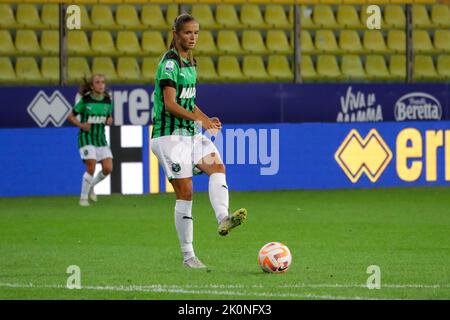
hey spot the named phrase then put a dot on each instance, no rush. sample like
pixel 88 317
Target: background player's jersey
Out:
pixel 179 73
pixel 95 112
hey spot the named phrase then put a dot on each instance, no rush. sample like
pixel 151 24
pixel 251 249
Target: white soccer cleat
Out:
pixel 92 195
pixel 194 263
pixel 231 221
pixel 84 202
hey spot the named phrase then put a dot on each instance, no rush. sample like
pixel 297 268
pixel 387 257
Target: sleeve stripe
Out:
pixel 167 83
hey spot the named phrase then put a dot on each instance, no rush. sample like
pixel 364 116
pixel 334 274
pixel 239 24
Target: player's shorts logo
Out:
pixel 176 167
pixel 370 155
pixel 86 152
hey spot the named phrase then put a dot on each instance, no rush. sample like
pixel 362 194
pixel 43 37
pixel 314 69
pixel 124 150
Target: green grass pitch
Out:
pixel 127 248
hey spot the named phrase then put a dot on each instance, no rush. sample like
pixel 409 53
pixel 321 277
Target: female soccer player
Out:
pixel 94 109
pixel 178 144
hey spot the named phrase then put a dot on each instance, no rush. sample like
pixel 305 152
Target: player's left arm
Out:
pixel 216 120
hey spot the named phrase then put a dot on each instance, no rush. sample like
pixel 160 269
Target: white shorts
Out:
pixel 178 155
pixel 95 153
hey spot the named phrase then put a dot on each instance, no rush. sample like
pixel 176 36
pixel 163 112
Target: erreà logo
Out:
pixel 54 109
pixel 370 155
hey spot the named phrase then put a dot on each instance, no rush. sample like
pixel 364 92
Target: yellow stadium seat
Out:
pixel 50 15
pixel 6 44
pixel 229 70
pixel 394 17
pixel 277 42
pixel 77 43
pixel 8 21
pixel 77 69
pixel 307 70
pixel 443 66
pixel 105 66
pixel 420 17
pixel 169 38
pixel 7 73
pixel 153 43
pixel 204 15
pixel 440 15
pixel 323 16
pixel 205 70
pixel 149 67
pixel 50 41
pixel 424 69
pixel 306 43
pixel 422 42
pixel 102 43
pixel 327 68
pixel 128 70
pixel 275 16
pixel 86 22
pixel 152 16
pixel 306 15
pixel 397 67
pixel 28 16
pixel 27 70
pixel 228 42
pixel 373 42
pixel 396 41
pixel 278 68
pixel 347 17
pixel 352 68
pixel 102 17
pixel 252 42
pixel 128 43
pixel 127 17
pixel 27 42
pixel 350 42
pixel 227 17
pixel 442 40
pixel 205 44
pixel 376 68
pixel 50 69
pixel 251 16
pixel 171 14
pixel 325 41
pixel 253 68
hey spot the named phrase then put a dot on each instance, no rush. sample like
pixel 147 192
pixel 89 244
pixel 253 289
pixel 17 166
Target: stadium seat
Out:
pixel 169 38
pixel 443 66
pixel 7 47
pixel 440 15
pixel 205 44
pixel 252 42
pixel 50 69
pixel 278 68
pixel 50 42
pixel 205 70
pixel 352 68
pixel 350 42
pixel 102 17
pixel 442 40
pixel 171 14
pixel 227 17
pixel 7 73
pixel 376 68
pixel 394 17
pixel 128 70
pixel 347 17
pixel 86 22
pixel 397 67
pixel 50 15
pixel 8 21
pixel 105 66
pixel 253 68
pixel 420 17
pixel 28 16
pixel 127 17
pixel 277 42
pixel 149 67
pixel 152 17
pixel 424 69
pixel 102 43
pixel 325 41
pixel 373 42
pixel 153 43
pixel 307 70
pixel 275 16
pixel 229 70
pixel 77 69
pixel 203 14
pixel 364 16
pixel 27 70
pixel 396 41
pixel 422 42
pixel 306 42
pixel 77 43
pixel 128 43
pixel 228 42
pixel 306 14
pixel 251 16
pixel 323 16
pixel 27 42
pixel 327 68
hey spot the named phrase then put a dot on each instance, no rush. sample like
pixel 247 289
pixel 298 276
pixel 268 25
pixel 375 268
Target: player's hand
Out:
pixel 216 121
pixel 109 121
pixel 212 127
pixel 85 126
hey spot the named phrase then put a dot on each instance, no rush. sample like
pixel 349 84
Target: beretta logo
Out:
pixel 417 106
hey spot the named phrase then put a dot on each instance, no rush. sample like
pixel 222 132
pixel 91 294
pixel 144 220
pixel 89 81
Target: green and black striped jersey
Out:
pixel 96 112
pixel 179 73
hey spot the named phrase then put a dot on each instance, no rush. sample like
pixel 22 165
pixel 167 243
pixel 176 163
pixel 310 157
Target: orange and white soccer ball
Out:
pixel 274 257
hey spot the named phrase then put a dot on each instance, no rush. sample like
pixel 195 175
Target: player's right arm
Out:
pixel 79 107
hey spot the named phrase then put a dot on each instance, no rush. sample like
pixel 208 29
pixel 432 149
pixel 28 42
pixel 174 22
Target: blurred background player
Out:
pixel 178 144
pixel 94 110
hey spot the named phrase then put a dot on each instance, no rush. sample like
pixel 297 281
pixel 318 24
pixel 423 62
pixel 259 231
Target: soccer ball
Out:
pixel 274 257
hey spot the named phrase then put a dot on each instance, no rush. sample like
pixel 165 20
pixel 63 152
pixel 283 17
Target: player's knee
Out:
pixel 90 169
pixel 107 170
